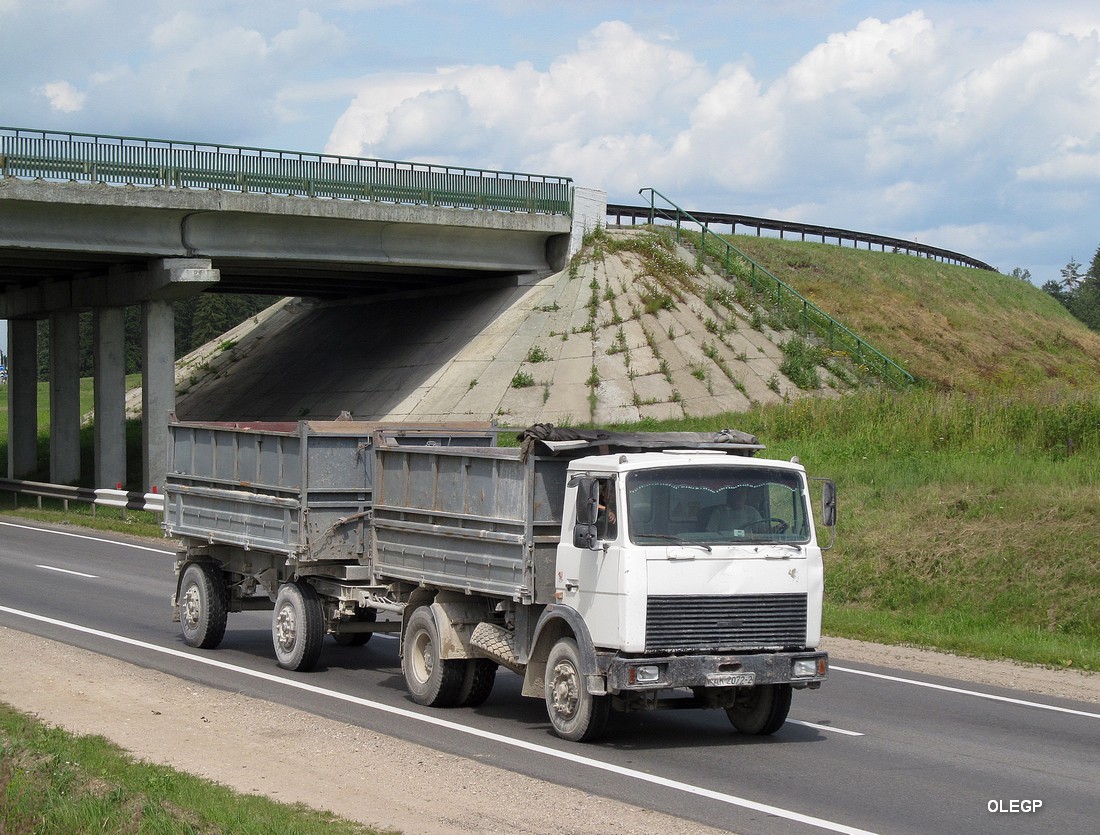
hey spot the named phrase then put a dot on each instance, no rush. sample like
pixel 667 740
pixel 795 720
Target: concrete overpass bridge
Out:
pixel 100 223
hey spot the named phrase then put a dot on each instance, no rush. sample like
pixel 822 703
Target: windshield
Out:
pixel 715 505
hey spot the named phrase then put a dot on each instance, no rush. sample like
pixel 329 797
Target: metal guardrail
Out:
pixel 103 497
pixel 164 163
pixel 826 233
pixel 836 336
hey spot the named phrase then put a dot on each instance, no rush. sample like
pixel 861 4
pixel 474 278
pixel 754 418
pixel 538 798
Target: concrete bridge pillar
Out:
pixel 22 397
pixel 158 388
pixel 173 278
pixel 108 337
pixel 64 397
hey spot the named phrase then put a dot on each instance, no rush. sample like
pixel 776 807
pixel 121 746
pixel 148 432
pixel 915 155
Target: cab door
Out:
pixel 588 576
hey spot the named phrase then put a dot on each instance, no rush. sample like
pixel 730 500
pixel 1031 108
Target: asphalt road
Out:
pixel 875 749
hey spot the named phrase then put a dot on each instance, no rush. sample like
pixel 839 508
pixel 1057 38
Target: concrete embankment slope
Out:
pixel 574 347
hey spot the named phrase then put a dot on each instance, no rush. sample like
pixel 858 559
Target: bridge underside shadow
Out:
pixel 378 360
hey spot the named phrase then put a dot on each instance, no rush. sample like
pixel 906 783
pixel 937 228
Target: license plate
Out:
pixel 731 679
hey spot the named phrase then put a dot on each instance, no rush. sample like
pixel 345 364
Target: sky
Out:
pixel 972 125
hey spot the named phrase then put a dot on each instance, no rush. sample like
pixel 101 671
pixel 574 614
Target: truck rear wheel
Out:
pixel 297 626
pixel 431 680
pixel 575 714
pixel 763 710
pixel 204 605
pixel 477 682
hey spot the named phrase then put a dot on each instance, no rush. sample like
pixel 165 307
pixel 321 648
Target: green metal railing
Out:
pixel 163 163
pixel 834 335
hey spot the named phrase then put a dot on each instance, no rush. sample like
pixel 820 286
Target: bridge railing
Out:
pixel 834 335
pixel 123 160
pixel 827 234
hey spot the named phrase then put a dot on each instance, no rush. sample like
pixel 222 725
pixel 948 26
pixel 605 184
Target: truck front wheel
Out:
pixel 575 714
pixel 432 681
pixel 297 627
pixel 204 604
pixel 762 711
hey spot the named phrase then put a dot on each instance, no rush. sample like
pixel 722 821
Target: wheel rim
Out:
pixel 286 628
pixel 565 690
pixel 192 607
pixel 423 657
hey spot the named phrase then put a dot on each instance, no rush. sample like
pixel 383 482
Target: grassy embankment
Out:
pixel 52 781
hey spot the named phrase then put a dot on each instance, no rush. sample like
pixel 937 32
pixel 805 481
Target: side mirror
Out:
pixel 828 504
pixel 584 537
pixel 588 505
pixel 588 500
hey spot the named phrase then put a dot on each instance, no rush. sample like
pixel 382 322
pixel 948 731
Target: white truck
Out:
pixel 611 571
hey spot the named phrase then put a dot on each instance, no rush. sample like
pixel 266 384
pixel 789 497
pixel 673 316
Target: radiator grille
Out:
pixel 750 621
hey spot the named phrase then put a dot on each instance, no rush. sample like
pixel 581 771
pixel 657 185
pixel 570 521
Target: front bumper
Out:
pixel 636 673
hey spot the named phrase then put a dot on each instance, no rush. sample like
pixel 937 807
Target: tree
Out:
pixel 1079 292
pixel 1023 275
pixel 1071 275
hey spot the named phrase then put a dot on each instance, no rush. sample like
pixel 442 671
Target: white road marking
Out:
pixel 824 727
pixel 568 756
pixel 68 571
pixel 85 536
pixel 961 691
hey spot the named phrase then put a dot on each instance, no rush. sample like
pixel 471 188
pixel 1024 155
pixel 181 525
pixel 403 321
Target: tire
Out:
pixel 204 605
pixel 575 714
pixel 477 682
pixel 763 711
pixel 297 627
pixel 358 639
pixel 431 680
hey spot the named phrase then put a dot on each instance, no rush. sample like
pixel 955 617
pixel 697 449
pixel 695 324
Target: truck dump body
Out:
pixel 474 520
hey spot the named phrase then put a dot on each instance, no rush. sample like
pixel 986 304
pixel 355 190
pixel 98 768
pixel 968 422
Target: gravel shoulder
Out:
pixel 259 747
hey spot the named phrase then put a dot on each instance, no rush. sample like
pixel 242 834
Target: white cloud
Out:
pixel 616 82
pixel 869 60
pixel 63 97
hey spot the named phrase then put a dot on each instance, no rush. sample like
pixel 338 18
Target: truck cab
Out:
pixel 694 571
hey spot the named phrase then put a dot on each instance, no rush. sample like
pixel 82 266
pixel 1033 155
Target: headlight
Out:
pixel 649 674
pixel 804 668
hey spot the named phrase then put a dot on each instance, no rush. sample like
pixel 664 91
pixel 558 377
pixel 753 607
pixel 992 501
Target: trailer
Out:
pixel 610 571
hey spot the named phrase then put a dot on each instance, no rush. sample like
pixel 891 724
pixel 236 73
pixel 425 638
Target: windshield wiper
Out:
pixel 676 540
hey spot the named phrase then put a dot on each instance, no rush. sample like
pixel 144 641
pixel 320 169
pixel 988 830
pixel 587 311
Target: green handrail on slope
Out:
pixel 833 333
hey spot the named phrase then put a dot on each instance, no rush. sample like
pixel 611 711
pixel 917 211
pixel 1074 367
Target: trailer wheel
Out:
pixel 477 683
pixel 204 605
pixel 575 714
pixel 297 626
pixel 431 680
pixel 763 710
pixel 357 639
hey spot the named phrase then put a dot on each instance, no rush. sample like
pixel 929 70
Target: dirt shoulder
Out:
pixel 257 747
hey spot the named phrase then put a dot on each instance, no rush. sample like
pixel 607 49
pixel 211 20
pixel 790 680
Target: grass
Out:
pixel 952 327
pixel 968 525
pixel 53 781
